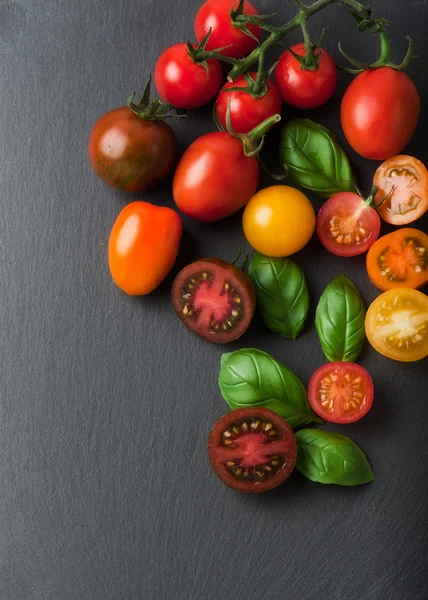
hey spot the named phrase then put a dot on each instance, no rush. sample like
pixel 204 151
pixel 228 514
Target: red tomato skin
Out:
pixel 304 88
pixel 215 14
pixel 379 113
pixel 342 204
pixel 246 112
pixel 182 82
pixel 143 246
pixel 129 153
pixel 214 178
pixel 340 416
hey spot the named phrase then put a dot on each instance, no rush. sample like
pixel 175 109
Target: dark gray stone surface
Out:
pixel 106 402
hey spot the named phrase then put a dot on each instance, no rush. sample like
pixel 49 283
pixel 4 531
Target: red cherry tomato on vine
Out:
pixel 347 225
pixel 380 111
pixel 214 178
pixel 306 88
pixel 183 82
pixel 215 15
pixel 247 111
pixel 143 247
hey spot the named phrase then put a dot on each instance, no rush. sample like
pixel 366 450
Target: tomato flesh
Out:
pixel 403 181
pixel 215 15
pixel 341 392
pixel 214 299
pixel 397 325
pixel 246 111
pixel 214 178
pixel 252 449
pixel 346 226
pixel 305 88
pixel 399 259
pixel 184 83
pixel 379 113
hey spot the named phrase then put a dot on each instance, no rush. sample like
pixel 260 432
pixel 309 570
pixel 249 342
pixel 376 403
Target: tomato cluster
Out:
pixel 132 149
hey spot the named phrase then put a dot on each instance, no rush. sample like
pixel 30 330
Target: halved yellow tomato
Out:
pixel 397 325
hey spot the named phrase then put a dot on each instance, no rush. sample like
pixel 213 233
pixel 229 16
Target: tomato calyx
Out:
pixel 240 20
pixel 384 59
pixel 257 88
pixel 151 110
pixel 200 55
pixel 312 57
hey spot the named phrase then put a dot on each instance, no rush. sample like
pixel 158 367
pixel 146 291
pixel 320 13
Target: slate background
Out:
pixel 106 401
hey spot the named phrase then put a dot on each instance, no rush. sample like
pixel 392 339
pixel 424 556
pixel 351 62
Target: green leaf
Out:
pixel 251 377
pixel 282 294
pixel 327 457
pixel 314 158
pixel 340 321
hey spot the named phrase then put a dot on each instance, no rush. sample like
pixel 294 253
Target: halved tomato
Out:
pixel 252 449
pixel 347 225
pixel 397 325
pixel 341 392
pixel 404 181
pixel 399 260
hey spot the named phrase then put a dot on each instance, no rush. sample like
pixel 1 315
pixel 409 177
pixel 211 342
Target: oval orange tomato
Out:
pixel 143 247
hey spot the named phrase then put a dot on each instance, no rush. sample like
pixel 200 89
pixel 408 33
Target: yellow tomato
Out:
pixel 397 325
pixel 279 221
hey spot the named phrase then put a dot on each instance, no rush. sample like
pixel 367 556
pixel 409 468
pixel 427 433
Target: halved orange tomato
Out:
pixel 403 181
pixel 399 260
pixel 397 325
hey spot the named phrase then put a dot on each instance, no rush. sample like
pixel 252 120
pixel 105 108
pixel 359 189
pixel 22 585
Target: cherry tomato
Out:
pixel 347 225
pixel 247 111
pixel 143 247
pixel 403 181
pixel 379 113
pixel 215 15
pixel 252 449
pixel 130 153
pixel 399 260
pixel 214 178
pixel 279 221
pixel 341 392
pixel 305 88
pixel 397 325
pixel 183 82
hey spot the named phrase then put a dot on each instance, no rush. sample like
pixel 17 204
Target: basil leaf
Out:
pixel 340 321
pixel 314 158
pixel 251 377
pixel 282 294
pixel 327 457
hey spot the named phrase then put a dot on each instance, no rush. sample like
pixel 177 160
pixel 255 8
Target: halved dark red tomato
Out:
pixel 252 449
pixel 399 260
pixel 214 299
pixel 347 225
pixel 341 392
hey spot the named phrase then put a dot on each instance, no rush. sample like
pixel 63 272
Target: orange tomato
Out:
pixel 143 247
pixel 399 260
pixel 403 181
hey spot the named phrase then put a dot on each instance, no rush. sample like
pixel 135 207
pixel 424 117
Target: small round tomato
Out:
pixel 279 221
pixel 306 88
pixel 379 113
pixel 403 181
pixel 215 15
pixel 247 111
pixel 183 82
pixel 252 449
pixel 130 153
pixel 341 392
pixel 399 260
pixel 397 325
pixel 214 178
pixel 347 225
pixel 143 247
